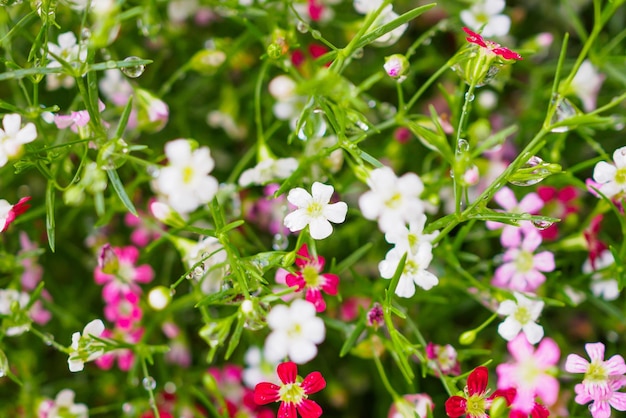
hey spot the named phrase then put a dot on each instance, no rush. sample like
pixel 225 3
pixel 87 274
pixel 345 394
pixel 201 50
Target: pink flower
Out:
pixel 125 357
pixel 123 310
pixel 142 233
pixel 308 278
pixel 558 204
pixel 126 277
pixel 603 401
pixel 599 373
pixel 409 405
pixel 490 46
pixel 75 120
pixel 530 374
pixel 522 268
pixel 8 212
pixel 443 358
pixel 28 259
pixel 475 401
pixel 531 203
pixel 595 246
pixel 292 395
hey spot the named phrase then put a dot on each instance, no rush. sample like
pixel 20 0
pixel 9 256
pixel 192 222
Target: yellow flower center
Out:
pixel 311 277
pixel 187 174
pixel 475 406
pixel 620 176
pixel 522 315
pixel 524 262
pixel 291 393
pixel 394 201
pixel 314 210
pixel 596 372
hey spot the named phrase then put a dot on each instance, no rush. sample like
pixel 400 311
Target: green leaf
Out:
pixel 352 258
pixel 50 223
pixel 354 335
pixel 114 178
pixel 119 132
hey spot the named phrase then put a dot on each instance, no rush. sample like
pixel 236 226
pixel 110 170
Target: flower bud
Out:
pixel 107 260
pixel 468 337
pixel 396 66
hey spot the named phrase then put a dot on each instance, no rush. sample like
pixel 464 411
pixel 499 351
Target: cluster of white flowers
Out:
pixel 395 202
pixel 268 170
pixel 185 184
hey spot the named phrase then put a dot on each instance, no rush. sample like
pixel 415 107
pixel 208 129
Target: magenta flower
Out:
pixel 142 233
pixel 531 203
pixel 530 374
pixel 522 269
pixel 123 310
pixel 309 278
pixel 125 357
pixel 9 212
pixel 594 245
pixel 558 204
pixel 126 276
pixel 491 47
pixel 292 394
pixel 475 403
pixel 599 374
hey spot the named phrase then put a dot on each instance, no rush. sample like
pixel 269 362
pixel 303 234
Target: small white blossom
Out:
pixel 521 316
pixel 212 257
pixel 62 406
pixel 258 369
pixel 268 170
pixel 18 321
pixel 410 238
pixel 13 137
pixel 586 85
pixel 71 52
pixel 414 272
pixel 487 13
pixel 315 210
pixel 603 285
pixel 295 332
pixel 185 182
pixel 612 178
pixel 84 348
pixel 393 201
pixel 366 6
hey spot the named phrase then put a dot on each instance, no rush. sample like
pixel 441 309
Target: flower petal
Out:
pixel 576 364
pixel 477 380
pixel 336 212
pixel 456 406
pixel 314 382
pixel 309 409
pixel 287 372
pixel 287 410
pixel 595 351
pixel 319 228
pixel 265 392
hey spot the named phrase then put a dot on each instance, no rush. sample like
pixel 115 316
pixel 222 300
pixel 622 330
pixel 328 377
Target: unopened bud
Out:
pixel 108 260
pixel 396 65
pixel 468 337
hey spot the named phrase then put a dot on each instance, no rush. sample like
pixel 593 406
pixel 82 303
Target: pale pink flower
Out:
pixel 601 404
pixel 443 358
pixel 530 374
pixel 531 203
pixel 142 233
pixel 522 268
pixel 28 259
pixel 598 372
pixel 127 276
pixel 410 405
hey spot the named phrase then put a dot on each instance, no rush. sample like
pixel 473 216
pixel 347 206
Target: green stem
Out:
pixel 153 405
pixel 460 153
pixel 384 379
pixel 49 340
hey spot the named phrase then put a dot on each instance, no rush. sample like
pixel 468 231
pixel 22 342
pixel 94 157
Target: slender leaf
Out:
pixel 114 178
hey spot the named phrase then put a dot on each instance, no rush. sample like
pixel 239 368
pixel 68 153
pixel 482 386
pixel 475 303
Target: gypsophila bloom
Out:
pixel 409 405
pixel 530 203
pixel 258 368
pixel 9 212
pixel 84 347
pixel 586 85
pixel 475 403
pixel 612 177
pixel 185 182
pixel 531 374
pixel 411 237
pixel 393 201
pixel 13 137
pixel 396 66
pixel 598 372
pixel 486 14
pixel 603 283
pixel 295 332
pixel 268 170
pixel 414 271
pixel 13 305
pixel 314 210
pixel 602 402
pixel 443 358
pixel 521 316
pixel 120 275
pixel 71 52
pixel 292 393
pixel 62 406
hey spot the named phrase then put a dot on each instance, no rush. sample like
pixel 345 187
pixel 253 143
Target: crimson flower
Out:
pixel 558 204
pixel 475 401
pixel 309 278
pixel 595 246
pixel 292 394
pixel 9 212
pixel 490 46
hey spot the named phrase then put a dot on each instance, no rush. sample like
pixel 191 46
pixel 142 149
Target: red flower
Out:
pixel 559 204
pixel 309 278
pixel 292 394
pixel 490 46
pixel 594 244
pixel 475 403
pixel 13 212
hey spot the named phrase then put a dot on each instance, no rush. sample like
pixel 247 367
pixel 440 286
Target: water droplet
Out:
pixel 302 27
pixel 85 34
pixel 462 146
pixel 314 126
pixel 48 339
pixel 469 96
pixel 358 53
pixel 170 387
pixel 111 64
pixel 371 104
pixel 531 173
pixel 356 123
pixel 153 171
pixel 128 408
pixel 564 110
pixel 427 41
pixel 149 383
pixel 172 292
pixel 280 242
pixel 541 224
pixel 387 110
pixel 133 71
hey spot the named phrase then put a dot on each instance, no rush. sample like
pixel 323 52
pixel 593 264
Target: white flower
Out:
pixel 487 13
pixel 414 272
pixel 411 237
pixel 612 178
pixel 268 170
pixel 603 285
pixel 71 52
pixel 586 85
pixel 62 406
pixel 366 6
pixel 115 87
pixel 99 7
pixel 393 201
pixel 84 348
pixel 389 38
pixel 186 182
pixel 314 210
pixel 13 137
pixel 295 332
pixel 258 368
pixel 212 258
pixel 521 316
pixel 19 323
